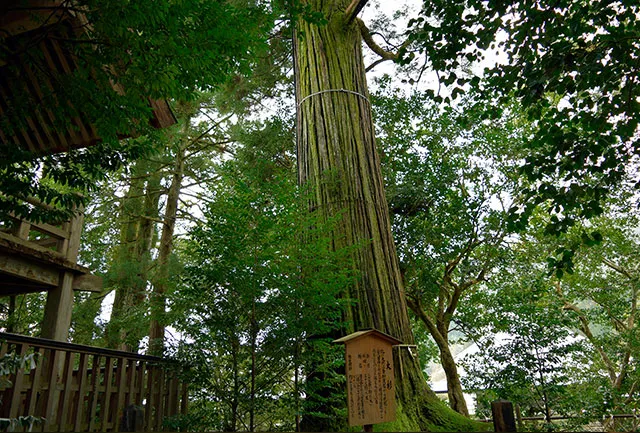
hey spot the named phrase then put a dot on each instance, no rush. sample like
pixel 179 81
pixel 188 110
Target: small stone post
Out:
pixel 503 419
pixel 132 419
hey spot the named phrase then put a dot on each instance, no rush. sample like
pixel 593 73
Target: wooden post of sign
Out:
pixel 371 395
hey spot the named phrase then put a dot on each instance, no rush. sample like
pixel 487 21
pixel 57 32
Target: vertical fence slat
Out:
pixel 67 393
pixel 121 384
pixel 18 384
pixel 32 392
pixel 131 383
pixel 4 395
pixel 184 403
pixel 50 397
pixel 95 384
pixel 106 396
pixel 160 400
pixel 80 396
pixel 172 398
pixel 149 406
pixel 140 391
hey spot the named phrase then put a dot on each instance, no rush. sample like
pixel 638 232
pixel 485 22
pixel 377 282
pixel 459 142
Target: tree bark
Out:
pixel 454 387
pixel 235 348
pixel 128 268
pixel 158 295
pixel 337 156
pixel 441 338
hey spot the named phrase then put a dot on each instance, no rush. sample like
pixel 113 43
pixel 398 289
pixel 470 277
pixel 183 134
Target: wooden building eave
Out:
pixel 42 25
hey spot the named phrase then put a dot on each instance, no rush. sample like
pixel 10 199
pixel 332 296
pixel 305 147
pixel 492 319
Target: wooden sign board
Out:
pixel 371 395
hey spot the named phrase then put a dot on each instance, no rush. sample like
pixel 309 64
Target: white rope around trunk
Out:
pixel 335 91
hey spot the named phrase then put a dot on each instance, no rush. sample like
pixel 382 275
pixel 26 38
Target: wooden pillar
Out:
pixel 519 417
pixel 57 311
pixel 503 419
pixel 22 229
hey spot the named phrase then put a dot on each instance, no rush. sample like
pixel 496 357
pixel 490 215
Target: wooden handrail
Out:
pixel 78 348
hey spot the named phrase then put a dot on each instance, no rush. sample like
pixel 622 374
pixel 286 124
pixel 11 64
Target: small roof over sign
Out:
pixel 368 332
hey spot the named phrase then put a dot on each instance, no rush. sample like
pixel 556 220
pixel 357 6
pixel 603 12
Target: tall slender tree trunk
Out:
pixel 128 274
pixel 158 295
pixel 147 233
pixel 454 387
pixel 337 155
pixel 235 348
pixel 440 335
pixel 254 372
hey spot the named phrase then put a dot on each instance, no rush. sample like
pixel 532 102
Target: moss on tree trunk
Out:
pixel 337 155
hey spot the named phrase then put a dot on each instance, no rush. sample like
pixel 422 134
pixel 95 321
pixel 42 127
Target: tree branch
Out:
pixel 617 268
pixel 586 330
pixel 415 306
pixel 368 39
pixel 354 9
pixel 376 63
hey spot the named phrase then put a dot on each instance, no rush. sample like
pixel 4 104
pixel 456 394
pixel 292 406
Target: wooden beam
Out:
pixel 23 246
pixel 88 283
pixel 13 245
pixel 50 230
pixel 163 116
pixel 57 310
pixel 13 286
pixel 21 267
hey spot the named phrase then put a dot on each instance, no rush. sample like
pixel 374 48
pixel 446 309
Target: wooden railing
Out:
pixel 82 388
pixel 59 239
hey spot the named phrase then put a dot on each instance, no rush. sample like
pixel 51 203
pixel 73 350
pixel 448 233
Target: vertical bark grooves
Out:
pixel 337 156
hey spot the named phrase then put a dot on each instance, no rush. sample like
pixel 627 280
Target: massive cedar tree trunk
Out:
pixel 337 155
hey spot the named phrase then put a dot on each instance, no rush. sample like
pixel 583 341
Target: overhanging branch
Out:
pixel 368 39
pixel 385 55
pixel 354 9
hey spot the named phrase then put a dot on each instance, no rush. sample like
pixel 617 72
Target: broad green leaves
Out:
pixel 573 66
pixel 590 314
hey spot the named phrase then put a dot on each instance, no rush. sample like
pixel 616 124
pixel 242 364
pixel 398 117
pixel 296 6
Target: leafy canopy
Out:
pixel 573 65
